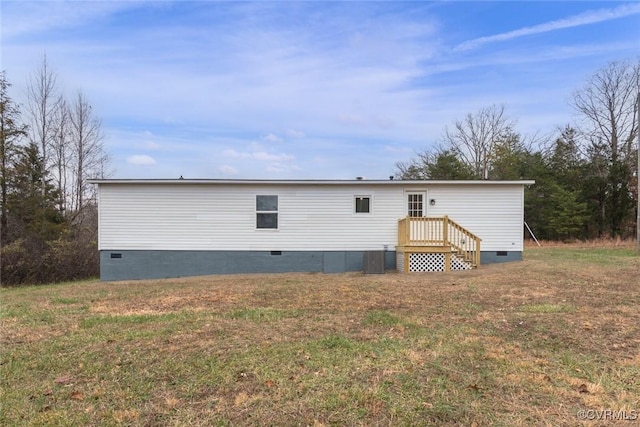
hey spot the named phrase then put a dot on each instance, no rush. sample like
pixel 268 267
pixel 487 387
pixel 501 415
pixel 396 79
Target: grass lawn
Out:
pixel 518 344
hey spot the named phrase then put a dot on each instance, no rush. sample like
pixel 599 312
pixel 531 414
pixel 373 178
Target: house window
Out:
pixel 267 212
pixel 414 208
pixel 363 204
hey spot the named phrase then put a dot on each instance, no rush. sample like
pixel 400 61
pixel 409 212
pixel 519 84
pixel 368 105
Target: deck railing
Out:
pixel 439 231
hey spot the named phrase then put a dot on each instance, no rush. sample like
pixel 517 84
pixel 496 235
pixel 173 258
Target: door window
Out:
pixel 415 204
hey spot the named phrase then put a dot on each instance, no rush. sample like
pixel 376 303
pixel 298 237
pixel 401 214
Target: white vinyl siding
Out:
pixel 222 216
pixel 495 213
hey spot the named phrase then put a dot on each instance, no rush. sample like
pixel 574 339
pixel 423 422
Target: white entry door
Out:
pixel 416 207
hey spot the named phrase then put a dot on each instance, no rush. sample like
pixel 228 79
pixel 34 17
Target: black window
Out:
pixel 363 204
pixel 267 212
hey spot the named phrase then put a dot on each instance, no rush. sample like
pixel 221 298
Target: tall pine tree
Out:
pixel 11 131
pixel 32 207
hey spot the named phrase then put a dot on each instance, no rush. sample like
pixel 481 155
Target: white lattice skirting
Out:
pixel 428 262
pixel 458 263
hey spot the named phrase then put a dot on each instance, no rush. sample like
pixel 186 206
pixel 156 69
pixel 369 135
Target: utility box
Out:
pixel 374 262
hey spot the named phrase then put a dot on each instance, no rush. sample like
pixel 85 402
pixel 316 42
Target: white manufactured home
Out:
pixel 172 228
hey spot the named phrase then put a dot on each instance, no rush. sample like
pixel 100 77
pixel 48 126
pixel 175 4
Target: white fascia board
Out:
pixel 300 182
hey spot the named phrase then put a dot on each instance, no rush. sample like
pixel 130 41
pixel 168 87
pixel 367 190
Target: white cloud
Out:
pixel 255 146
pixel 258 155
pixel 371 121
pixel 384 122
pixel 261 155
pixel 259 74
pixel 276 167
pixel 228 170
pixel 351 119
pixel 356 78
pixel 38 17
pixel 151 145
pixel 392 149
pixel 272 138
pixel 141 160
pixel 280 168
pixel 589 17
pixel 230 152
pixel 294 133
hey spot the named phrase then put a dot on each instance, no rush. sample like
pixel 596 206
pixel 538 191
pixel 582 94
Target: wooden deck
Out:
pixel 449 242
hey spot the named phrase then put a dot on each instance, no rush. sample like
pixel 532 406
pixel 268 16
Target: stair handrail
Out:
pixel 449 232
pixel 471 252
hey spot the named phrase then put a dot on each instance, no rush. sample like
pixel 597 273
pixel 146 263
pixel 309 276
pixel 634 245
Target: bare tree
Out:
pixel 61 154
pixel 608 110
pixel 608 107
pixel 416 167
pixel 88 156
pixel 69 137
pixel 47 202
pixel 42 106
pixel 473 139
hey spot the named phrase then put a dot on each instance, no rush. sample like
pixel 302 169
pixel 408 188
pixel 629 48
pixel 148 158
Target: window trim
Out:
pixel 259 212
pixel 355 204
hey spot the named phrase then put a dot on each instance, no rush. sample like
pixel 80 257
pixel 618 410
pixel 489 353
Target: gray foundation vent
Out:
pixel 374 262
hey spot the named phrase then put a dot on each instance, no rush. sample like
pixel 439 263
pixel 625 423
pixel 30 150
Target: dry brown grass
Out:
pixel 527 343
pixel 604 242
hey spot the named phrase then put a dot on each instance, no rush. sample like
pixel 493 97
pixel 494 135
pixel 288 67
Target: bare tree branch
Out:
pixel 42 106
pixel 608 108
pixel 473 138
pixel 89 158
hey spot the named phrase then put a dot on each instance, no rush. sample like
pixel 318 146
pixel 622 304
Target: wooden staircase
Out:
pixel 435 244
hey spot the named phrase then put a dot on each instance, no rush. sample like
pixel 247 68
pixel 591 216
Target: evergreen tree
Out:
pixel 449 167
pixel 537 209
pixel 567 214
pixel 619 199
pixel 506 159
pixel 444 165
pixel 11 131
pixel 31 206
pixel 565 160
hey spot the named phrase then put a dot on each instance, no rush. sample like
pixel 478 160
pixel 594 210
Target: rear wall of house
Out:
pixel 169 230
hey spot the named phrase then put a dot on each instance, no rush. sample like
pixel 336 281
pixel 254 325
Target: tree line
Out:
pixel 49 149
pixel 586 175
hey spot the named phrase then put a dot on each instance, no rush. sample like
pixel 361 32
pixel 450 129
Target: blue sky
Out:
pixel 308 90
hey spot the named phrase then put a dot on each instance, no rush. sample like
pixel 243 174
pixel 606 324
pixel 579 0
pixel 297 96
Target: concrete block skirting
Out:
pixel 492 257
pixel 154 264
pixel 126 265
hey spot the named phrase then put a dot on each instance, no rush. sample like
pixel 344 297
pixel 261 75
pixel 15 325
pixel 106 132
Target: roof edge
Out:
pixel 307 182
